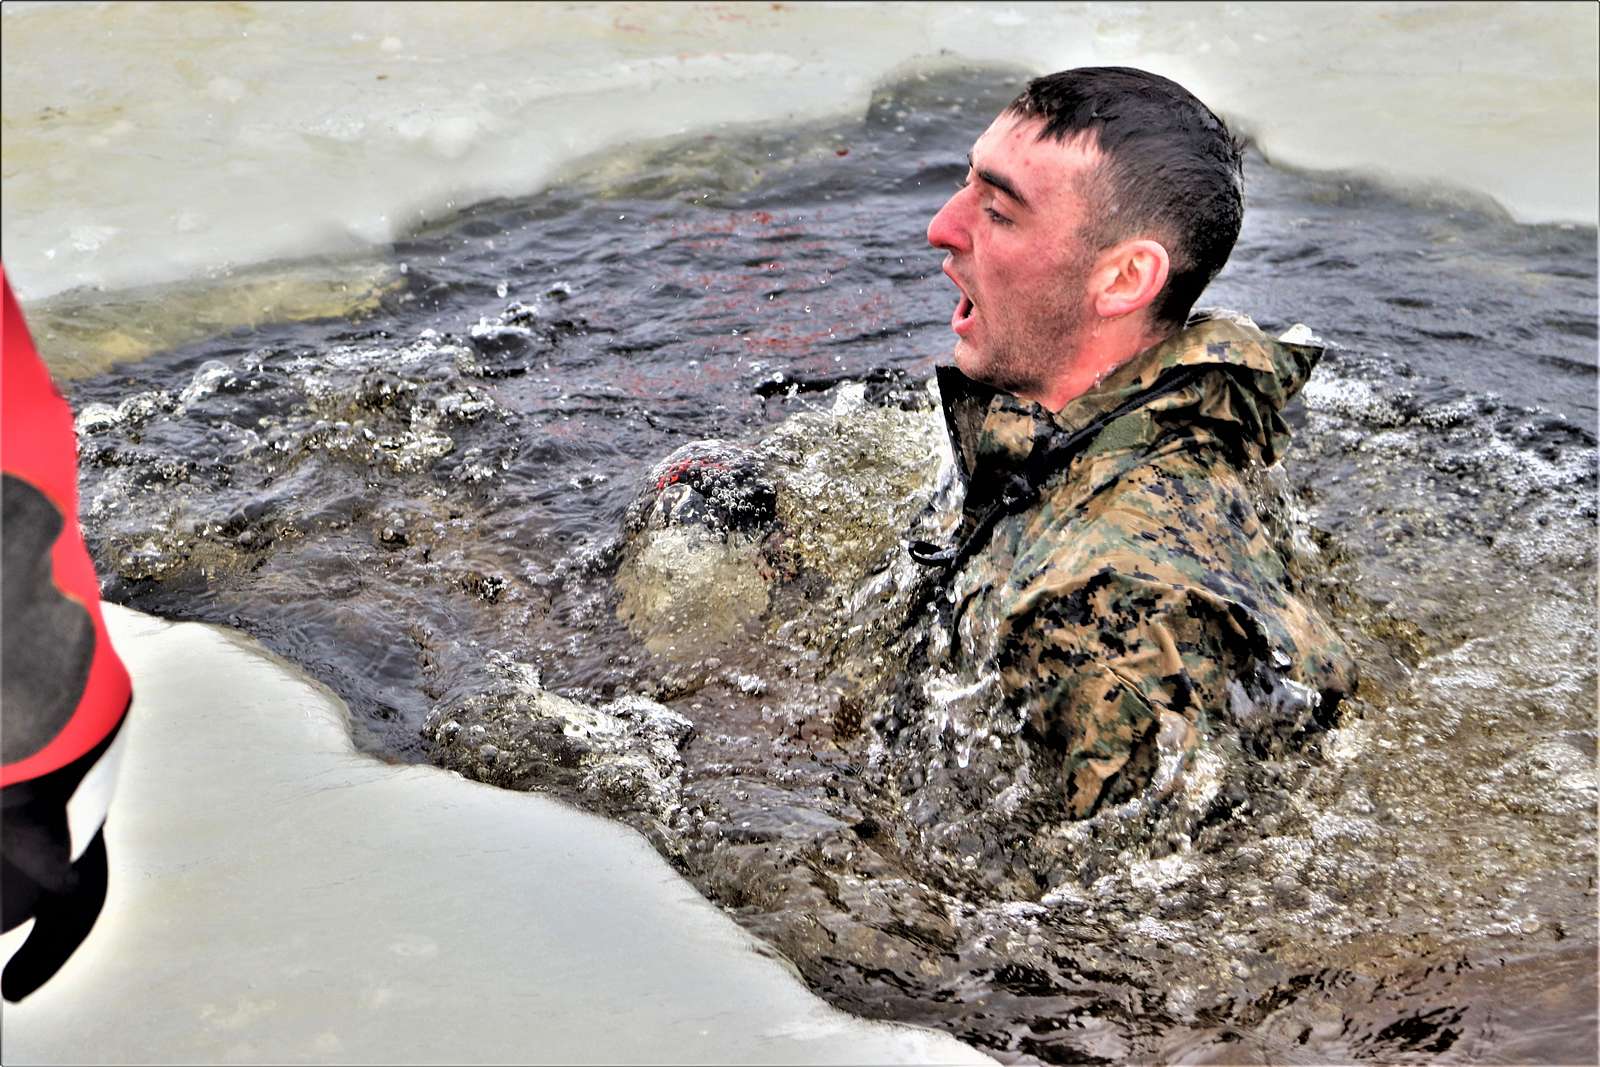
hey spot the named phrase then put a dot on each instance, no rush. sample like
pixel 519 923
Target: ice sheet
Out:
pixel 149 143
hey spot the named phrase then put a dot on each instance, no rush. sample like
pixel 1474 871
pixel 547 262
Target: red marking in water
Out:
pixel 841 151
pixel 734 224
pixel 685 467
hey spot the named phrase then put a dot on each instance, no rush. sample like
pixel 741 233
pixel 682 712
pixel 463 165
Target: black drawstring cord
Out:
pixel 951 557
pixel 928 554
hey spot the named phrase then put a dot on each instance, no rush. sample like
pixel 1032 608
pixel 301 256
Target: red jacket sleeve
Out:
pixel 53 631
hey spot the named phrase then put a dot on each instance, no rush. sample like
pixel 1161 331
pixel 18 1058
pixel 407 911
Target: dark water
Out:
pixel 422 506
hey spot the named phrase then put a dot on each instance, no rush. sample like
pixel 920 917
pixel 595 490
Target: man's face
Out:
pixel 1012 238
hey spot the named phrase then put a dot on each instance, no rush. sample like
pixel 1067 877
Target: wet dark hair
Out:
pixel 1170 170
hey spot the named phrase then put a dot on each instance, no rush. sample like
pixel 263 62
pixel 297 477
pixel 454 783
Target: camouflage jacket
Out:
pixel 1111 580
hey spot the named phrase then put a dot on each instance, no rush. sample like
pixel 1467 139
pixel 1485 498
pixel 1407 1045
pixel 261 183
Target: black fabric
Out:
pixel 965 404
pixel 47 642
pixel 38 879
pixel 61 922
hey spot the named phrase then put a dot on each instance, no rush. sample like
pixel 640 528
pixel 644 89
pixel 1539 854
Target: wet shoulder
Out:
pixel 1171 545
pixel 1181 517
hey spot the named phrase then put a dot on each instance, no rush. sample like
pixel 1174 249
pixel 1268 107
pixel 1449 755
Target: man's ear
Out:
pixel 1129 277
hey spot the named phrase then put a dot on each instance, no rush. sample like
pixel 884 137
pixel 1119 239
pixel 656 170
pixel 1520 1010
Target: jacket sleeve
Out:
pixel 1114 672
pixel 64 694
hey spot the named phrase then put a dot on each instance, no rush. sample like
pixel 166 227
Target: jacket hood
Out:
pixel 1219 375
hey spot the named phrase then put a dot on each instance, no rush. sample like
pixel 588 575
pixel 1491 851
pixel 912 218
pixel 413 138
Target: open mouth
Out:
pixel 961 321
pixel 966 311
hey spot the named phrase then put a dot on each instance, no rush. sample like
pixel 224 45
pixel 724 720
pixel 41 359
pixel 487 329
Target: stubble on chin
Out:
pixel 1022 373
pixel 1030 367
pixel 998 368
pixel 993 367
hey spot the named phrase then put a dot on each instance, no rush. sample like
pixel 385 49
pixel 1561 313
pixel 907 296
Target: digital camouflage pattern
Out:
pixel 1134 602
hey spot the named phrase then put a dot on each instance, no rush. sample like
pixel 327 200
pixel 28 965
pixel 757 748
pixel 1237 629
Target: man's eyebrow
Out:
pixel 999 181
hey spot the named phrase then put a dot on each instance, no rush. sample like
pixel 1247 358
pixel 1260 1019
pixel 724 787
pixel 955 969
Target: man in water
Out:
pixel 1110 587
pixel 1109 610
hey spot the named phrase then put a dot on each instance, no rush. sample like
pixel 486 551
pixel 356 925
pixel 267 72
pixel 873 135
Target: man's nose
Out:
pixel 947 230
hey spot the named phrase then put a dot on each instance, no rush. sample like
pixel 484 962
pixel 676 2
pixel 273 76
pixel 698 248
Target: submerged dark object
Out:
pixel 720 486
pixel 880 382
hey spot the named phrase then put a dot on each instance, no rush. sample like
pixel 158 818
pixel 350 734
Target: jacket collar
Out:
pixel 1245 379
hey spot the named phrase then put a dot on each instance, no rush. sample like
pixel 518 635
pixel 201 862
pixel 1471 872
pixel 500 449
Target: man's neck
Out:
pixel 1098 353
